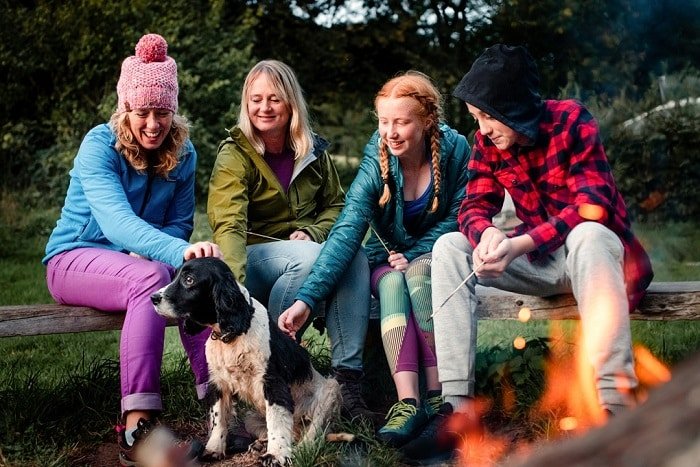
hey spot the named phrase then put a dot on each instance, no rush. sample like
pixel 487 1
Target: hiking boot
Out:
pixel 404 422
pixel 154 444
pixel 353 405
pixel 440 439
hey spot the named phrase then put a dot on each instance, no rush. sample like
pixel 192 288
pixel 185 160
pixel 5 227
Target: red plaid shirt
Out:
pixel 549 182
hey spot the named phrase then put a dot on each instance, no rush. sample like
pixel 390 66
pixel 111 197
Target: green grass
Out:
pixel 60 393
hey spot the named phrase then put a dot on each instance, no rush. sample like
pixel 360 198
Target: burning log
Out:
pixel 664 430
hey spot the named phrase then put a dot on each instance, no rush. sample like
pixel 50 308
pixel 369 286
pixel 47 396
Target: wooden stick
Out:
pixel 340 437
pixel 380 239
pixel 263 236
pixel 458 287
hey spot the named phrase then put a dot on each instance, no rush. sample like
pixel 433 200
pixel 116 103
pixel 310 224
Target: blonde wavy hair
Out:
pixel 166 156
pixel 428 107
pixel 287 88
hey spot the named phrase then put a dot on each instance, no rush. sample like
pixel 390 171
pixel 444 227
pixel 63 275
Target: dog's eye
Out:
pixel 188 281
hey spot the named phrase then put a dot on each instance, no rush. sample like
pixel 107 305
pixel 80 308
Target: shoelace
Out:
pixel 399 414
pixel 434 402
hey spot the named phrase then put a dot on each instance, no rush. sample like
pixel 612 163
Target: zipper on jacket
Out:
pixel 147 195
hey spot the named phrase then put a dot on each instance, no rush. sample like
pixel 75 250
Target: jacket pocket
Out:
pixel 91 232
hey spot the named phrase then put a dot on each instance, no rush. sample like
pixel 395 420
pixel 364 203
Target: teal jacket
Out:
pixel 362 207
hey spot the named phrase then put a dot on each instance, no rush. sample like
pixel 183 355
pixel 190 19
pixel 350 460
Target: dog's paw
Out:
pixel 215 448
pixel 269 460
pixel 211 456
pixel 258 446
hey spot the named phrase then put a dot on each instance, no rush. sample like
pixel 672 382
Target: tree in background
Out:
pixel 59 62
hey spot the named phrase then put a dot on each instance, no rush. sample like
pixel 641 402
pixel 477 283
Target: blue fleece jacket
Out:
pixel 110 205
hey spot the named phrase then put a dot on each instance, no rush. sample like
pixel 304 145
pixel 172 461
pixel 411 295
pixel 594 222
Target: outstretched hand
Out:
pixel 293 318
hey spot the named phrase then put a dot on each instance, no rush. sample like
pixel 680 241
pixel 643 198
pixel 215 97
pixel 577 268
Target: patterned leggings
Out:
pixel 405 307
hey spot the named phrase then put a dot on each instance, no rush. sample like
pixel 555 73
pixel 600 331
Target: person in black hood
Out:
pixel 575 236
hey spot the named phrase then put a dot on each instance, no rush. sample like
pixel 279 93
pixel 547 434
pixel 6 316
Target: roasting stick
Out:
pixel 380 239
pixel 263 236
pixel 466 279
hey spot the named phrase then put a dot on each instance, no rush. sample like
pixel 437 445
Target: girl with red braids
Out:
pixel 408 189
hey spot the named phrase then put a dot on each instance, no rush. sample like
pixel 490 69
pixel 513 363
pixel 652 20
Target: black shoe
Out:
pixel 154 444
pixel 404 422
pixel 353 405
pixel 438 442
pixel 238 440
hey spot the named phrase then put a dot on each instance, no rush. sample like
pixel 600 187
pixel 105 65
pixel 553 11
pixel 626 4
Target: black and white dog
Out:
pixel 250 360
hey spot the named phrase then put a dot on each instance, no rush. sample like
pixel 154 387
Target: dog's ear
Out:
pixel 192 328
pixel 233 311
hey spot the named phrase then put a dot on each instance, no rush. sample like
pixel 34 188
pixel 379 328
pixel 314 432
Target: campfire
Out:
pixel 567 408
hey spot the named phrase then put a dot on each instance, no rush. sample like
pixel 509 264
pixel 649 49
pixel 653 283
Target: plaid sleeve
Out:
pixel 484 196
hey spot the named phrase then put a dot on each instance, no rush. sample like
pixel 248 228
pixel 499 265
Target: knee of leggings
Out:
pixel 392 282
pixel 419 267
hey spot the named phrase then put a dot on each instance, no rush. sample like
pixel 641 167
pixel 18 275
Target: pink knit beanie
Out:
pixel 149 78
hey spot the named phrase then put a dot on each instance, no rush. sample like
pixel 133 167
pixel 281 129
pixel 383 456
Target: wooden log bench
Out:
pixel 664 301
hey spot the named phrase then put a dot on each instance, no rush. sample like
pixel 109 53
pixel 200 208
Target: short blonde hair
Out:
pixel 167 155
pixel 289 91
pixel 428 107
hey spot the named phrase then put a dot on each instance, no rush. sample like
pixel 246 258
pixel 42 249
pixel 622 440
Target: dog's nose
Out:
pixel 156 298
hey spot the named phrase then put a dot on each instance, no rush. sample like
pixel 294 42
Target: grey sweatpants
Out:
pixel 589 265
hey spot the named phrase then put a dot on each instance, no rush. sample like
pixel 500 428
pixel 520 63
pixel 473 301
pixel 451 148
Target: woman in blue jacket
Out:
pixel 407 192
pixel 124 228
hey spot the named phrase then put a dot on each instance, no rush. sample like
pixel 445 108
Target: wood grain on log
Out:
pixel 664 301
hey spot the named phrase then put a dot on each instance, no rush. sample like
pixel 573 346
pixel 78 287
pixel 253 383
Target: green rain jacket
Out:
pixel 245 195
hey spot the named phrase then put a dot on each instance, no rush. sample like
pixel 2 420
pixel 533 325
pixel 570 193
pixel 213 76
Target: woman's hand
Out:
pixel 300 235
pixel 202 249
pixel 398 261
pixel 293 318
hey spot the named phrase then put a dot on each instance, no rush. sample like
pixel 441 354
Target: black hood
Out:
pixel 503 82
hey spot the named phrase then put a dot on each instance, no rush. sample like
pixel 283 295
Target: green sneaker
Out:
pixel 432 403
pixel 404 422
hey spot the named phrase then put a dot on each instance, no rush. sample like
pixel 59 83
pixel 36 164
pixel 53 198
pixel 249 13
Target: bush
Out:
pixel 657 165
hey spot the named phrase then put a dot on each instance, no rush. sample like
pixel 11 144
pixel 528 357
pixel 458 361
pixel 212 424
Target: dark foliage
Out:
pixel 59 64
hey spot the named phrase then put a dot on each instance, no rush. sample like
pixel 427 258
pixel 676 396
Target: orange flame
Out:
pixel 478 447
pixel 570 393
pixel 569 405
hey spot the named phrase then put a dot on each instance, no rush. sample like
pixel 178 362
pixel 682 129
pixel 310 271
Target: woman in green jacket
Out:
pixel 274 195
pixel 407 192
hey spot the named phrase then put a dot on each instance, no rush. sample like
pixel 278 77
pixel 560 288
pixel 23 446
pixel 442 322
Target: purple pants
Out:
pixel 112 281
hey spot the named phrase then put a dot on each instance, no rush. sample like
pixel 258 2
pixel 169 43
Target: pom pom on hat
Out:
pixel 148 79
